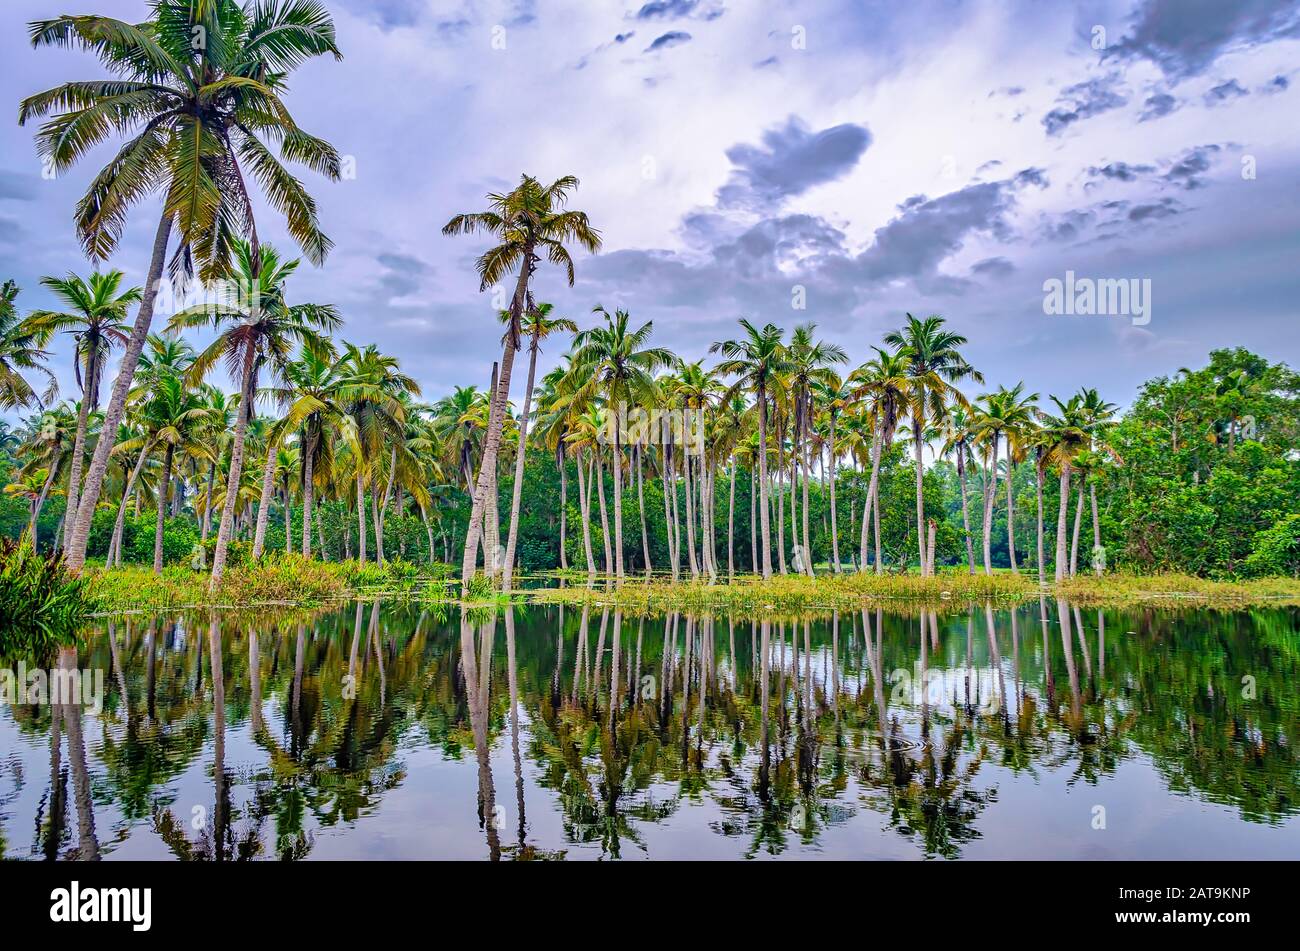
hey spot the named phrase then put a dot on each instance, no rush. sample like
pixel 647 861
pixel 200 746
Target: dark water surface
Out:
pixel 395 731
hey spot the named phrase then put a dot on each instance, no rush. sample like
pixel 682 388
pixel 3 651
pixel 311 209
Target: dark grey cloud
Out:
pixel 1224 92
pixel 676 9
pixel 766 63
pixel 669 39
pixel 1009 91
pixel 790 160
pixel 1068 226
pixel 1157 105
pixel 1278 83
pixel 1085 100
pixel 1188 168
pixel 993 267
pixel 1184 37
pixel 1163 208
pixel 402 273
pixel 1032 176
pixel 1120 171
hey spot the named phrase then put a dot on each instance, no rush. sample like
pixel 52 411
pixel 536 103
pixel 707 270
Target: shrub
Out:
pixel 1276 550
pixel 41 602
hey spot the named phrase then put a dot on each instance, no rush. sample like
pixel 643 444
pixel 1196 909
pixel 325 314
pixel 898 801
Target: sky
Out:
pixel 839 162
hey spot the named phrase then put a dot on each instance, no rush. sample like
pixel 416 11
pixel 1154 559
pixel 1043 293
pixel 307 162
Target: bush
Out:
pixel 41 602
pixel 1276 550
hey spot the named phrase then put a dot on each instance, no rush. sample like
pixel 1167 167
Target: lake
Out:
pixel 390 730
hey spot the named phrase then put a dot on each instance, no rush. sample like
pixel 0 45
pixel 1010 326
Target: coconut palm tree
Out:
pixel 835 395
pixel 959 441
pixel 884 384
pixel 198 117
pixel 757 359
pixel 1001 414
pixel 538 324
pixel 257 330
pixel 811 362
pixel 934 364
pixel 96 318
pixel 173 418
pixel 21 349
pixel 48 444
pixel 1065 435
pixel 613 363
pixel 1100 415
pixel 530 222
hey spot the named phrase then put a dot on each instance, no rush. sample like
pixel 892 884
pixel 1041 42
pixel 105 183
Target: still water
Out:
pixel 399 731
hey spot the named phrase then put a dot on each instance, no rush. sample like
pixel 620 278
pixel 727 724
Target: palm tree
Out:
pixel 757 359
pixel 21 343
pixel 1065 435
pixel 1004 413
pixel 198 117
pixel 173 417
pixel 883 381
pixel 530 222
pixel 835 396
pixel 614 363
pixel 257 329
pixel 1100 415
pixel 48 444
pixel 934 364
pixel 95 316
pixel 811 362
pixel 959 439
pixel 538 324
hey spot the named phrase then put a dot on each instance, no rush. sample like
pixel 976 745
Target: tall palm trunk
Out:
pixel 248 386
pixel 383 510
pixel 780 511
pixel 40 499
pixel 599 476
pixel 762 481
pixel 361 514
pixel 288 518
pixel 207 509
pixel 428 532
pixel 1038 484
pixel 807 536
pixel 1074 546
pixel 1062 520
pixel 873 487
pixel 564 510
pixel 584 503
pixel 79 443
pixel 309 450
pixel 264 501
pixel 516 491
pixel 965 507
pixel 640 504
pixel 1011 508
pixel 990 496
pixel 835 521
pixel 690 517
pixel 920 496
pixel 162 510
pixel 669 516
pixel 1096 532
pixel 89 495
pixel 496 415
pixel 731 522
pixel 617 465
pixel 753 515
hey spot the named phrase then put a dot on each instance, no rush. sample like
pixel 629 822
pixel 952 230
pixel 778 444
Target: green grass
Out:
pixel 280 579
pixel 1171 590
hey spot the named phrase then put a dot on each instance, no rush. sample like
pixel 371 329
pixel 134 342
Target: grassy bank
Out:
pixel 797 593
pixel 278 580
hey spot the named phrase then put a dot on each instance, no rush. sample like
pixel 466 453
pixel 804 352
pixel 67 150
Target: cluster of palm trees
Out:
pixel 200 120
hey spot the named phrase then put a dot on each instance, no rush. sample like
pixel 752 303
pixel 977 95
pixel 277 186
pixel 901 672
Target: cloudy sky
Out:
pixel 934 157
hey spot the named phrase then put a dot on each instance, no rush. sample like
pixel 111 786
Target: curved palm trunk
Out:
pixel 762 482
pixel 584 503
pixel 516 491
pixel 599 476
pixel 264 500
pixel 492 440
pixel 990 495
pixel 1062 521
pixel 247 392
pixel 119 524
pixel 78 446
pixel 965 507
pixel 40 499
pixel 920 497
pixel 89 496
pixel 428 531
pixel 162 510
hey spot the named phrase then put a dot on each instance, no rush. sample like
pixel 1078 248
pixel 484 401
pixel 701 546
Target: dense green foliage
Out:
pixel 41 604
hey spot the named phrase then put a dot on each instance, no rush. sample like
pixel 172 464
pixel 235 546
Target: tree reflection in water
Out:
pixel 784 734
